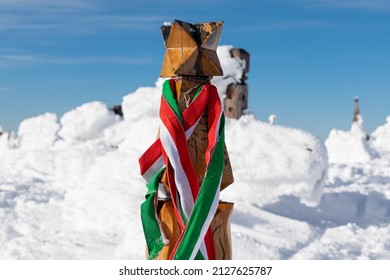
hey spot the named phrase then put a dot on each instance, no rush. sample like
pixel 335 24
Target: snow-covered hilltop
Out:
pixel 70 186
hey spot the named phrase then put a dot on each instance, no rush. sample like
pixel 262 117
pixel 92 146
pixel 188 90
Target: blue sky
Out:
pixel 309 58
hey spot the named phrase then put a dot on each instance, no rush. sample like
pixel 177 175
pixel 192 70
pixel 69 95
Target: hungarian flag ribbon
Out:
pixel 195 206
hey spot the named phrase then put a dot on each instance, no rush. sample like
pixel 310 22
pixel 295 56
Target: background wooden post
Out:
pixel 236 100
pixel 356 111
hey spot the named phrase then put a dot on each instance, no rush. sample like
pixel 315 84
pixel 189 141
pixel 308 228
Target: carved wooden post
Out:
pixel 356 111
pixel 192 60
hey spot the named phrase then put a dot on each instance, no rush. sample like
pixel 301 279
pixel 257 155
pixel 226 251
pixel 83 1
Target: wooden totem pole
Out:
pixel 188 165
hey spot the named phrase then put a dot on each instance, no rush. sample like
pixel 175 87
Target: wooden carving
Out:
pixel 191 49
pixel 192 59
pixel 220 226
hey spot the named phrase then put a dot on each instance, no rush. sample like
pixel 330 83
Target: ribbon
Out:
pixel 194 206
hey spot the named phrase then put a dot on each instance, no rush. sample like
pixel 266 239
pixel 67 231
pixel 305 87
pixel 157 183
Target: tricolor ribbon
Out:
pixel 194 206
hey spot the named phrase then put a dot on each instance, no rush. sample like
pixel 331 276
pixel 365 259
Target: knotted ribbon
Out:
pixel 194 206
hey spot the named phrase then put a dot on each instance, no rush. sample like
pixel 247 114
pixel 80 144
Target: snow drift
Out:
pixel 75 186
pixel 270 161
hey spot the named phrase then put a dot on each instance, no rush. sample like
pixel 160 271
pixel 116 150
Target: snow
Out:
pixel 70 186
pixel 40 131
pixel 350 146
pixel 381 138
pixel 282 160
pixel 272 118
pixel 86 122
pixel 232 70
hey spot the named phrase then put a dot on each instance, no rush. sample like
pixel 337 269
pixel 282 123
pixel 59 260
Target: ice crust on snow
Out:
pixel 70 187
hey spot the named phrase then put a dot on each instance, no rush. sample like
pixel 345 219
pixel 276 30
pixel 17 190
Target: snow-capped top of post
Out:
pixel 357 124
pixel 272 119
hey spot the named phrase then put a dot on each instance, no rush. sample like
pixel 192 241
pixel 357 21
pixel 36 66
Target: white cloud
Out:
pixel 121 22
pixel 13 59
pixel 68 16
pixel 76 24
pixel 283 25
pixel 97 60
pixel 39 4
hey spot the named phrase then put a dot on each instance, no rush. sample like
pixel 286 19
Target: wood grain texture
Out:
pixel 191 49
pixel 220 227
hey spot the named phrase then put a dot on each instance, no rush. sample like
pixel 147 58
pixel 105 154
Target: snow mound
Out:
pixel 269 161
pixel 272 118
pixel 143 103
pixel 349 146
pixel 381 138
pixel 38 132
pixel 86 122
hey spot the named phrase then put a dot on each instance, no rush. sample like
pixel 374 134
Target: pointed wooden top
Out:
pixel 191 49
